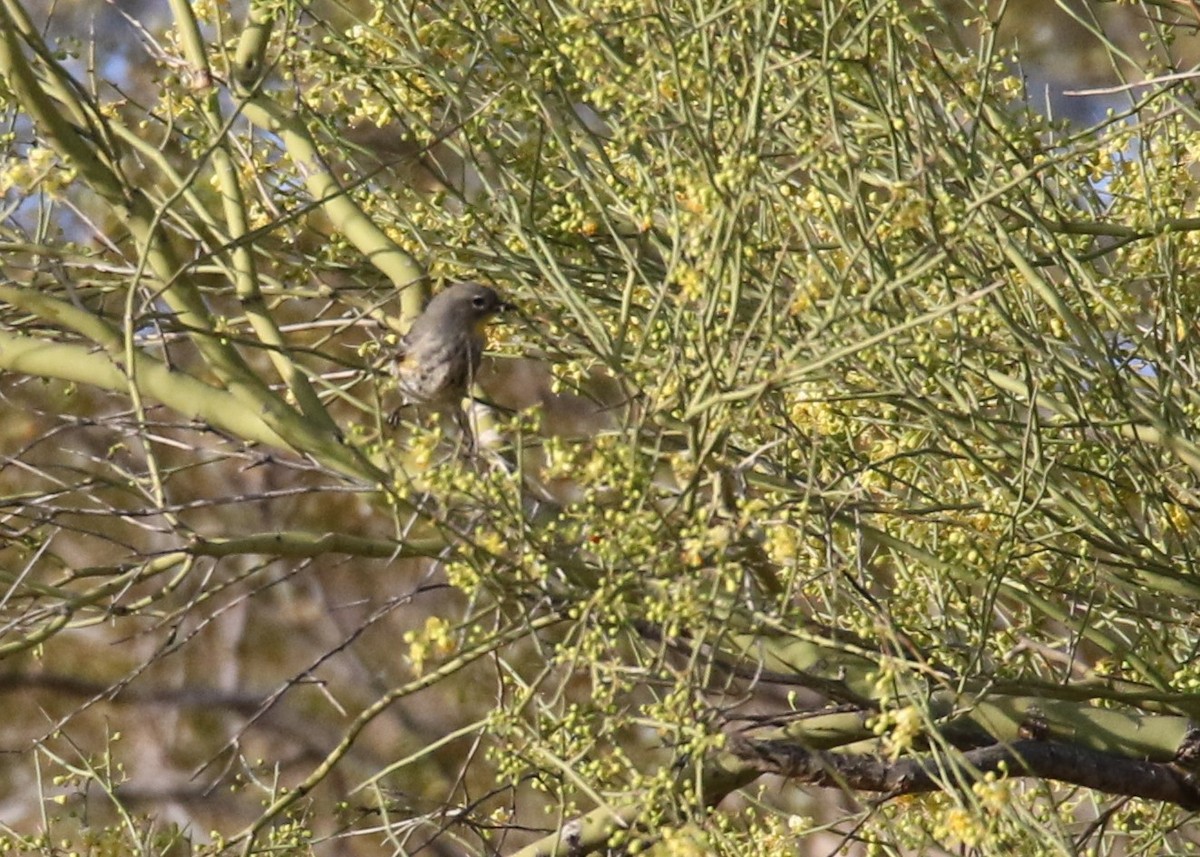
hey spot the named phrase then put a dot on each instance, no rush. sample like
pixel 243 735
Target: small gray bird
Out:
pixel 436 361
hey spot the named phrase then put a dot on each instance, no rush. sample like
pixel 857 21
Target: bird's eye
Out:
pixel 479 301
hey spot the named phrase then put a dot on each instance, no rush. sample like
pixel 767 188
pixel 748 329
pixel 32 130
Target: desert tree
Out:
pixel 834 485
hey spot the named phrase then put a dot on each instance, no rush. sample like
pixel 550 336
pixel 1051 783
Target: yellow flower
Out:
pixel 435 639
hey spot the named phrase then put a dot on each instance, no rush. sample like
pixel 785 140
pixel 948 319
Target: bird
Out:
pixel 435 363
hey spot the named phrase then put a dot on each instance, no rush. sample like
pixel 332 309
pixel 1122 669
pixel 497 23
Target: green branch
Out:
pixel 245 278
pixel 132 206
pixel 381 251
pixel 182 393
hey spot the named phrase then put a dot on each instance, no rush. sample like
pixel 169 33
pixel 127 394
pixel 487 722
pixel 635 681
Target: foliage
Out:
pixel 845 433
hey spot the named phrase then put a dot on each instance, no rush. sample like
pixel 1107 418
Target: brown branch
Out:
pixel 182 697
pixel 1050 760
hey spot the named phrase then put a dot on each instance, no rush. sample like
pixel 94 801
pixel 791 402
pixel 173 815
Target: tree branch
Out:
pixel 1051 760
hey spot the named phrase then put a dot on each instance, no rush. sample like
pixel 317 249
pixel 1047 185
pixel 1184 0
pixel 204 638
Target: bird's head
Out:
pixel 471 305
